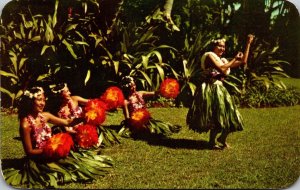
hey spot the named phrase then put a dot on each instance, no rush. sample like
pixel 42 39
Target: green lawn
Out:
pixel 292 82
pixel 264 155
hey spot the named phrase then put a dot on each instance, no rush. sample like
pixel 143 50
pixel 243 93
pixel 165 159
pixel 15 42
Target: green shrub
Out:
pixel 258 96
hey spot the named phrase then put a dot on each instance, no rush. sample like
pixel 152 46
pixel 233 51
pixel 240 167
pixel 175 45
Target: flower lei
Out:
pixel 136 105
pixel 40 138
pixel 34 95
pixel 73 112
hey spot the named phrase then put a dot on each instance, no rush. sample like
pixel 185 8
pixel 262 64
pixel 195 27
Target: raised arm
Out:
pixel 80 100
pixel 247 49
pixel 148 93
pixel 56 120
pixel 59 121
pixel 25 132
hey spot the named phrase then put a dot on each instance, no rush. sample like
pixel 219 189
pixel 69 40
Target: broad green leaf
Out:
pixel 17 35
pixel 116 66
pixel 22 31
pixel 36 38
pixel 6 74
pixel 45 47
pixel 145 60
pixel 41 77
pixel 70 27
pixel 192 87
pixel 149 81
pixel 19 94
pixel 13 58
pixel 87 78
pixel 69 47
pixel 158 55
pixel 160 71
pixel 54 18
pixel 49 34
pixel 79 34
pixel 22 61
pixel 81 43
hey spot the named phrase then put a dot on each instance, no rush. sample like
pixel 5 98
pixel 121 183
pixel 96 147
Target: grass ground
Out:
pixel 292 82
pixel 264 155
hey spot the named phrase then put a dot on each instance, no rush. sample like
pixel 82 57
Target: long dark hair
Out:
pixel 26 103
pixel 55 98
pixel 126 85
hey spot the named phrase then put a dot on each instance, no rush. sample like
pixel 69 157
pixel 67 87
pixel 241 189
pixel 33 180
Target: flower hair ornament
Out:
pixel 34 95
pixel 56 90
pixel 127 81
pixel 216 41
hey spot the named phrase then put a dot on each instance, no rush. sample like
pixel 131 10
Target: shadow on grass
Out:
pixel 161 140
pixel 156 140
pixel 17 138
pixel 16 163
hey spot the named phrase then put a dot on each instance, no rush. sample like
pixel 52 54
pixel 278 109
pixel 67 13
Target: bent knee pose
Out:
pixel 213 108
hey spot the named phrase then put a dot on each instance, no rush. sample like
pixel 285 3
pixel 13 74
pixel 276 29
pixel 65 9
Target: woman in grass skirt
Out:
pixel 69 106
pixel 50 159
pixel 138 121
pixel 213 108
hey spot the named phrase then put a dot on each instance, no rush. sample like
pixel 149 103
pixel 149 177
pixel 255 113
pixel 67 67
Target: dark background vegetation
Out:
pixel 92 44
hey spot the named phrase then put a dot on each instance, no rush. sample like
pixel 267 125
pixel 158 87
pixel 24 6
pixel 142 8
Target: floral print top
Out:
pixel 39 134
pixel 75 112
pixel 136 101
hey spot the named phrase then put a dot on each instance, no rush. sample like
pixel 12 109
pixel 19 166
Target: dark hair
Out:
pixel 27 101
pixel 55 99
pixel 126 85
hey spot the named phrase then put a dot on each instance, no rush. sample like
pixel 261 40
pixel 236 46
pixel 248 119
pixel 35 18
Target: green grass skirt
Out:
pixel 77 167
pixel 153 127
pixel 213 107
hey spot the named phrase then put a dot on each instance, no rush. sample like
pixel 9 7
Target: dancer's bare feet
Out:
pixel 223 144
pixel 215 147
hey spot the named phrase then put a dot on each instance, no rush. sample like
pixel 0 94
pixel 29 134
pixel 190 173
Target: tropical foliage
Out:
pixel 92 44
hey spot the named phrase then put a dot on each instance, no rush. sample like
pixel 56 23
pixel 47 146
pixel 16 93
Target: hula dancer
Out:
pixel 92 115
pixel 70 106
pixel 138 120
pixel 213 108
pixel 50 159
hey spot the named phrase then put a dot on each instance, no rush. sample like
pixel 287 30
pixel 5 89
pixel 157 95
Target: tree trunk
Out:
pixel 168 8
pixel 167 13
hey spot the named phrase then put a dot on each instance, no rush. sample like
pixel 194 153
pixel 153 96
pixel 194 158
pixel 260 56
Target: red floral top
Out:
pixel 39 134
pixel 136 101
pixel 75 112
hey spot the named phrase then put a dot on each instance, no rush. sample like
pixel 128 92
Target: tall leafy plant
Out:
pixel 141 55
pixel 20 48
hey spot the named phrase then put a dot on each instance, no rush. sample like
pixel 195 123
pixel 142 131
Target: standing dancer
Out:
pixel 213 108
